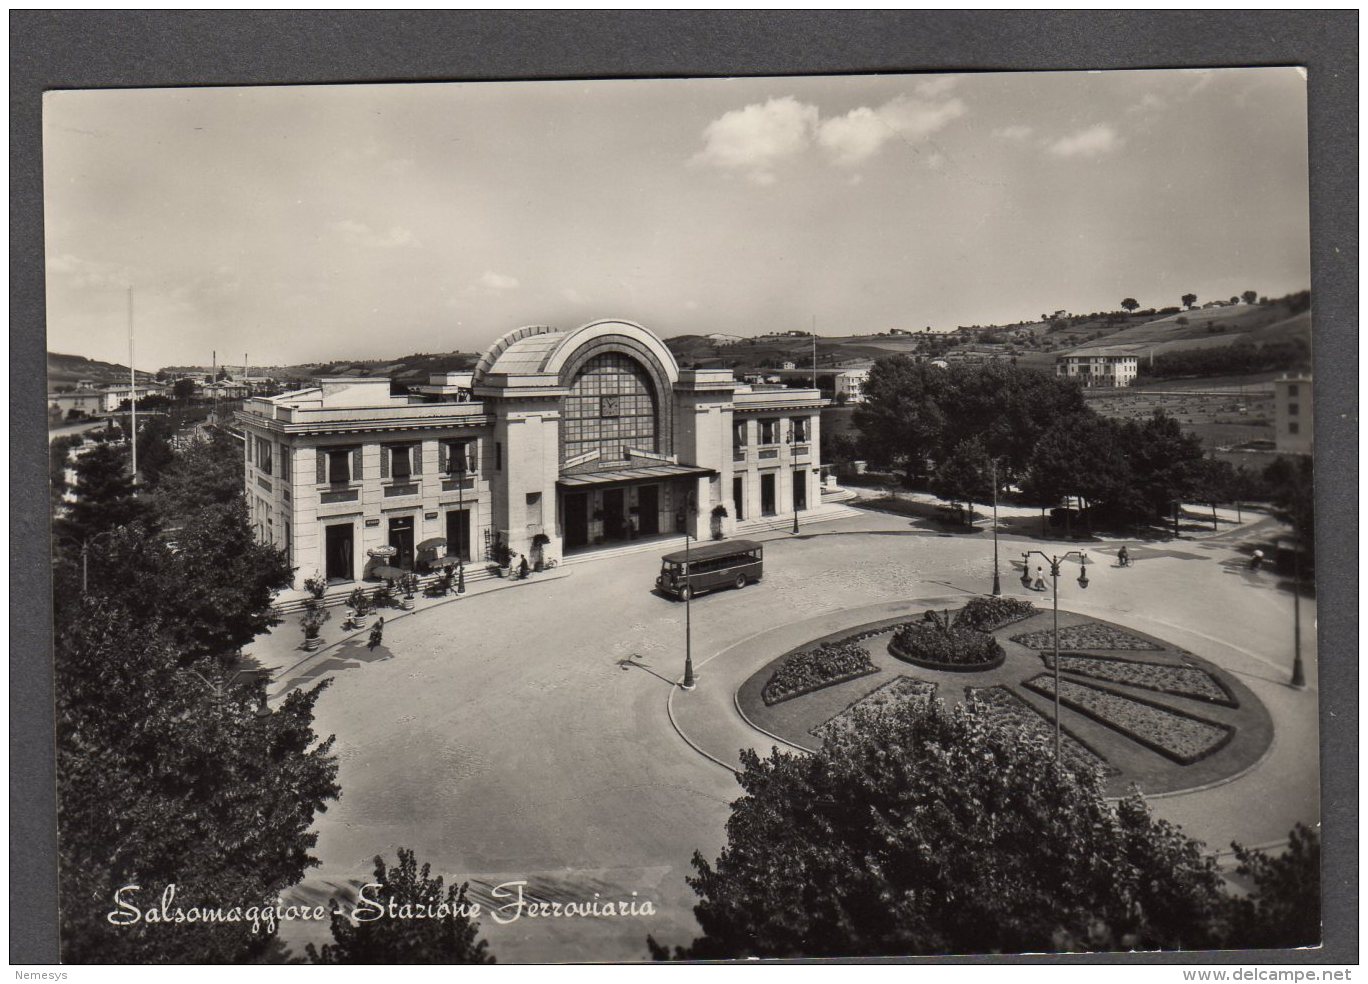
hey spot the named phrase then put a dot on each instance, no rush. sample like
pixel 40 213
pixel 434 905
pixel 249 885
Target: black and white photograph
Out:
pixel 679 519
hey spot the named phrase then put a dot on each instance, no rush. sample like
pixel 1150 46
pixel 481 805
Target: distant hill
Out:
pixel 406 369
pixel 67 370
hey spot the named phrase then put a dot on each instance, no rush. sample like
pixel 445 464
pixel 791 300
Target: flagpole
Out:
pixel 132 389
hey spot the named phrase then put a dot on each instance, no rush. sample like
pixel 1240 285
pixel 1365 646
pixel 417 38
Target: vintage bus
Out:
pixel 685 573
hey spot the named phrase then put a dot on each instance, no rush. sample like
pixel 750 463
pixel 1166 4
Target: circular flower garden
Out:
pixel 1139 709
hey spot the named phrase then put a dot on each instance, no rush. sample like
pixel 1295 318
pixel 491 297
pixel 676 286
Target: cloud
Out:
pixel 360 234
pixel 1090 142
pixel 1016 131
pixel 755 139
pixel 497 281
pixel 858 135
pixel 936 85
pixel 1149 102
pixel 80 273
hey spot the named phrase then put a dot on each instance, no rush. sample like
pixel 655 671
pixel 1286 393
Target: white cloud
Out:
pixel 859 134
pixel 1090 142
pixel 360 234
pixel 1016 131
pixel 497 281
pixel 937 85
pixel 755 139
pixel 1149 102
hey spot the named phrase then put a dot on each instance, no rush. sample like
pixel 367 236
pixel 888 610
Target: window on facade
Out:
pixel 263 455
pixel 739 434
pixel 284 463
pixel 339 467
pixel 1292 389
pixel 458 457
pixel 610 409
pixel 1294 428
pixel 1292 409
pixel 498 455
pixel 769 432
pixel 800 430
pixel 400 466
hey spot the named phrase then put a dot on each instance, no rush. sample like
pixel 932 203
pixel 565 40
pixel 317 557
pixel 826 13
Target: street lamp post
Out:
pixel 1298 674
pixel 688 683
pixel 1054 563
pixel 997 581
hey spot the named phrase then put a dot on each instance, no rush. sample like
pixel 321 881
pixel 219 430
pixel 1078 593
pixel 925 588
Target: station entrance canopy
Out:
pixel 629 476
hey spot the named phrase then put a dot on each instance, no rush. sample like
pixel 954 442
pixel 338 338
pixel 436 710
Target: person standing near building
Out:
pixel 522 567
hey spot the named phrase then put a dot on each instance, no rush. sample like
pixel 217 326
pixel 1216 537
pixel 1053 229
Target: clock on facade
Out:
pixel 608 406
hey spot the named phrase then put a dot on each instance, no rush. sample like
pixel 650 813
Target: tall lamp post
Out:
pixel 1054 563
pixel 688 683
pixel 997 581
pixel 1298 674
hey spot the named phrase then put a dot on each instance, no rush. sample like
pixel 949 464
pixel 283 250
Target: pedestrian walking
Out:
pixel 1039 584
pixel 1123 556
pixel 377 633
pixel 1256 561
pixel 522 567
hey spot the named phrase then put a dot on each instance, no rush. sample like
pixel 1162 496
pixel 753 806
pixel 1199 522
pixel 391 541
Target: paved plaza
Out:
pixel 534 730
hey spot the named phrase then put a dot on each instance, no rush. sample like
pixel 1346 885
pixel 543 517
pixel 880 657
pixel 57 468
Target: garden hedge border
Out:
pixel 1035 688
pixel 804 691
pixel 1108 769
pixel 1230 701
pixel 935 690
pixel 927 664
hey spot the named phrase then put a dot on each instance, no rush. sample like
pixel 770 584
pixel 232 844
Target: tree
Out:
pixel 453 938
pixel 1284 908
pixel 1164 461
pixel 175 774
pixel 1130 304
pixel 965 476
pixel 1291 489
pixel 104 496
pixel 205 473
pixel 183 389
pixel 1084 457
pixel 901 421
pixel 1189 300
pixel 154 448
pixel 1250 296
pixel 937 832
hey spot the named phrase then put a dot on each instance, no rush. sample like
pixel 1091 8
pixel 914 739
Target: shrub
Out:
pixel 928 642
pixel 359 601
pixel 316 585
pixel 987 613
pixel 816 668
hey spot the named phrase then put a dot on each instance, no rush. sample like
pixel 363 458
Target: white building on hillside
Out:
pixel 1099 368
pixel 1293 411
pixel 850 385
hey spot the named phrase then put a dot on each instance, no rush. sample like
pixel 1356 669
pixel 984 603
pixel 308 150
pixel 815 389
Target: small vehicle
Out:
pixel 734 563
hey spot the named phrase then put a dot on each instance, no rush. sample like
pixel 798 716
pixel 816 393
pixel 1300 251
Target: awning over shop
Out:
pixel 630 476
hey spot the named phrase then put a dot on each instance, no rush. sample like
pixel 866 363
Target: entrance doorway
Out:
pixel 799 489
pixel 337 550
pixel 401 539
pixel 576 521
pixel 458 534
pixel 648 510
pixel 613 519
pixel 739 497
pixel 767 506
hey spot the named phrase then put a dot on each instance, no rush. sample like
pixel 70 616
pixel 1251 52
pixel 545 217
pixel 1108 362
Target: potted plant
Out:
pixel 503 556
pixel 539 542
pixel 408 584
pixel 316 585
pixel 312 623
pixel 360 603
pixel 719 513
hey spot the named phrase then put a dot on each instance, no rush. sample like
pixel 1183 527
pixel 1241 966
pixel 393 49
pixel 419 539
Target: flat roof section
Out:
pixel 625 476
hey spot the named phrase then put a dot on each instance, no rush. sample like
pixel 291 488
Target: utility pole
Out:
pixel 132 389
pixel 814 351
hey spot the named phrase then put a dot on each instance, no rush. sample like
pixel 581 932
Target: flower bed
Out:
pixel 1089 635
pixel 1181 681
pixel 1002 708
pixel 1184 738
pixel 900 693
pixel 989 614
pixel 813 669
pixel 928 645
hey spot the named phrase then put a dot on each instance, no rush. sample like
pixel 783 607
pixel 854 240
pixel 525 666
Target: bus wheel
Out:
pixel 740 581
pixel 685 593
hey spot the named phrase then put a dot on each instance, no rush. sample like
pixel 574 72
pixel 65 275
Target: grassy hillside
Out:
pixel 67 370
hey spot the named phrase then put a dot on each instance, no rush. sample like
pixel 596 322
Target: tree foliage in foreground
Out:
pixel 170 767
pixel 936 833
pixel 452 938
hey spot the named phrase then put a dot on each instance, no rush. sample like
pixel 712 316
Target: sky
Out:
pixel 302 223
